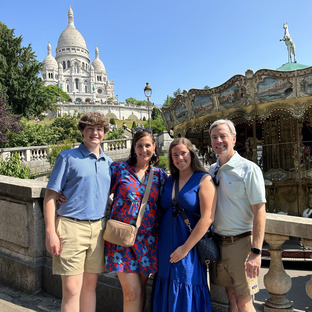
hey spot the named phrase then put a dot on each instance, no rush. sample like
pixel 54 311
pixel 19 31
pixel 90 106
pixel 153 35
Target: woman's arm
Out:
pixel 208 201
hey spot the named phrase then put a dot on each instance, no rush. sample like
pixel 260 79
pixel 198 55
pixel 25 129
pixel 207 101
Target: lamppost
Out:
pixel 148 94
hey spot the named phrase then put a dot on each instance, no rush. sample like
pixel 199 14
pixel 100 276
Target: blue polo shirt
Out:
pixel 85 180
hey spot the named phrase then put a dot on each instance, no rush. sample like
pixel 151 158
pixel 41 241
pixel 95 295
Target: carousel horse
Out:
pixel 289 43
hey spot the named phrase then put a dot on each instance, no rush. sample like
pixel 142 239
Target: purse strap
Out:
pixel 145 198
pixel 181 209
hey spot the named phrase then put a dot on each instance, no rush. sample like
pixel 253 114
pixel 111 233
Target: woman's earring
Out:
pixel 154 154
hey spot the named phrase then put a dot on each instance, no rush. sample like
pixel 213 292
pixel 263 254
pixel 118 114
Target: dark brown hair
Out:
pixel 93 119
pixel 137 136
pixel 196 165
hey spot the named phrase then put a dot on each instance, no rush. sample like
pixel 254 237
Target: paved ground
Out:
pixel 17 301
pixel 12 300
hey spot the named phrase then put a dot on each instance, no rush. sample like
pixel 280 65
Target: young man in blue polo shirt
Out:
pixel 74 228
pixel 239 222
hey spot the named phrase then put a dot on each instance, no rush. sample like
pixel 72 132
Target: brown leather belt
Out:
pixel 232 238
pixel 87 220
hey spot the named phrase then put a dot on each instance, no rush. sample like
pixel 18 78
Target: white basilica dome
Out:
pixel 49 62
pixel 71 37
pixel 97 63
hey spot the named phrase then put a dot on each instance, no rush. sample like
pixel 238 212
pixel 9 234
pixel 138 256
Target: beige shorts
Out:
pixel 82 247
pixel 230 268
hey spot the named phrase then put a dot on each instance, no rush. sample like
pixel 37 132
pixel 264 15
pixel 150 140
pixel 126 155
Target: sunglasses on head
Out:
pixel 145 129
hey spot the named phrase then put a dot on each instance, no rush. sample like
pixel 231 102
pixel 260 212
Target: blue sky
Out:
pixel 169 43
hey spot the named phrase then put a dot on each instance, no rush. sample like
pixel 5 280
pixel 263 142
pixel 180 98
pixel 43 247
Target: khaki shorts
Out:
pixel 82 247
pixel 230 268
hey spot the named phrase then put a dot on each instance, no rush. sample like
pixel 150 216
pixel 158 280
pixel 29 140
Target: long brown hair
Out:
pixel 196 165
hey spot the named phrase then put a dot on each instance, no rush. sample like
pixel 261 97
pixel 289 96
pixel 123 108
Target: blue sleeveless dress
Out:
pixel 181 286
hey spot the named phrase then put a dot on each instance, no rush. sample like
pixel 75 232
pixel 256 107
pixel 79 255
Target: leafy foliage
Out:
pixel 19 81
pixel 9 122
pixel 56 149
pixel 67 128
pixel 170 99
pixel 157 125
pixel 115 134
pixel 155 113
pixel 133 101
pixel 163 163
pixel 14 168
pixel 33 135
pixel 62 128
pixel 55 94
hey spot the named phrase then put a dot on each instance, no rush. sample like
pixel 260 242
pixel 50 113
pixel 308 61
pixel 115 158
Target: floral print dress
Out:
pixel 128 194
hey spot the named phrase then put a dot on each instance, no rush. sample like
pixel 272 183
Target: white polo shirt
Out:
pixel 241 185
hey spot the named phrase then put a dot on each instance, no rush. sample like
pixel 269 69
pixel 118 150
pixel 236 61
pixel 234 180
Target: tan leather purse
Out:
pixel 124 234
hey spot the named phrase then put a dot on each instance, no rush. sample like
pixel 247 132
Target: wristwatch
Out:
pixel 256 251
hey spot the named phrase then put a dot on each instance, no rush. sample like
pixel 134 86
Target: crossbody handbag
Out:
pixel 124 234
pixel 207 249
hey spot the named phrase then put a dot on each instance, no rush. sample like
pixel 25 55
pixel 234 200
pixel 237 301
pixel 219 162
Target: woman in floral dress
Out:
pixel 129 180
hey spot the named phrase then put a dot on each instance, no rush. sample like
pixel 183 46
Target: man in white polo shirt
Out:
pixel 239 222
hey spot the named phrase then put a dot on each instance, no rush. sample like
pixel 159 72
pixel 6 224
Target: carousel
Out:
pixel 272 113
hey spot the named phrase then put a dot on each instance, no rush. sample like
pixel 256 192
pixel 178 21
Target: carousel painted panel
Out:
pixel 271 89
pixel 306 85
pixel 232 97
pixel 181 112
pixel 202 105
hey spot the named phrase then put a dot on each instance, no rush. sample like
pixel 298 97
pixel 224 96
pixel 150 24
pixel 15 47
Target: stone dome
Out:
pixel 49 61
pixel 71 37
pixel 97 63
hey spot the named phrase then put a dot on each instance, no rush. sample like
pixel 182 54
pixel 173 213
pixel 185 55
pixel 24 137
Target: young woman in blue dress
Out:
pixel 181 281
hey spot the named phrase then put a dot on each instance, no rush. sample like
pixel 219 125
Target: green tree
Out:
pixel 155 113
pixel 112 121
pixel 19 80
pixel 55 94
pixel 131 101
pixel 169 99
pixel 206 87
pixel 158 125
pixel 9 122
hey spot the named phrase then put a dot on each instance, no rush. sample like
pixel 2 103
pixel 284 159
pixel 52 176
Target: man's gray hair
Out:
pixel 222 122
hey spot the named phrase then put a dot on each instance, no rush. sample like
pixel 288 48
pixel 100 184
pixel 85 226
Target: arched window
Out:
pixel 64 64
pixel 67 85
pixel 68 64
pixel 86 86
pixel 77 83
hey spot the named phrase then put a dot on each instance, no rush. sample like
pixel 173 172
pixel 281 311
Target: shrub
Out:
pixel 13 167
pixel 56 149
pixel 163 163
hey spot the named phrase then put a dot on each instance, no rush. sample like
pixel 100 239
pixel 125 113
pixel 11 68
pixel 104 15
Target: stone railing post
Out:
pixel 277 281
pixel 308 286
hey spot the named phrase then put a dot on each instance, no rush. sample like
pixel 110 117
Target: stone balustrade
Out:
pixel 36 157
pixel 25 264
pixel 278 283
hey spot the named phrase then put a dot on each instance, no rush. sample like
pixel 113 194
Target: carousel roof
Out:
pixel 292 66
